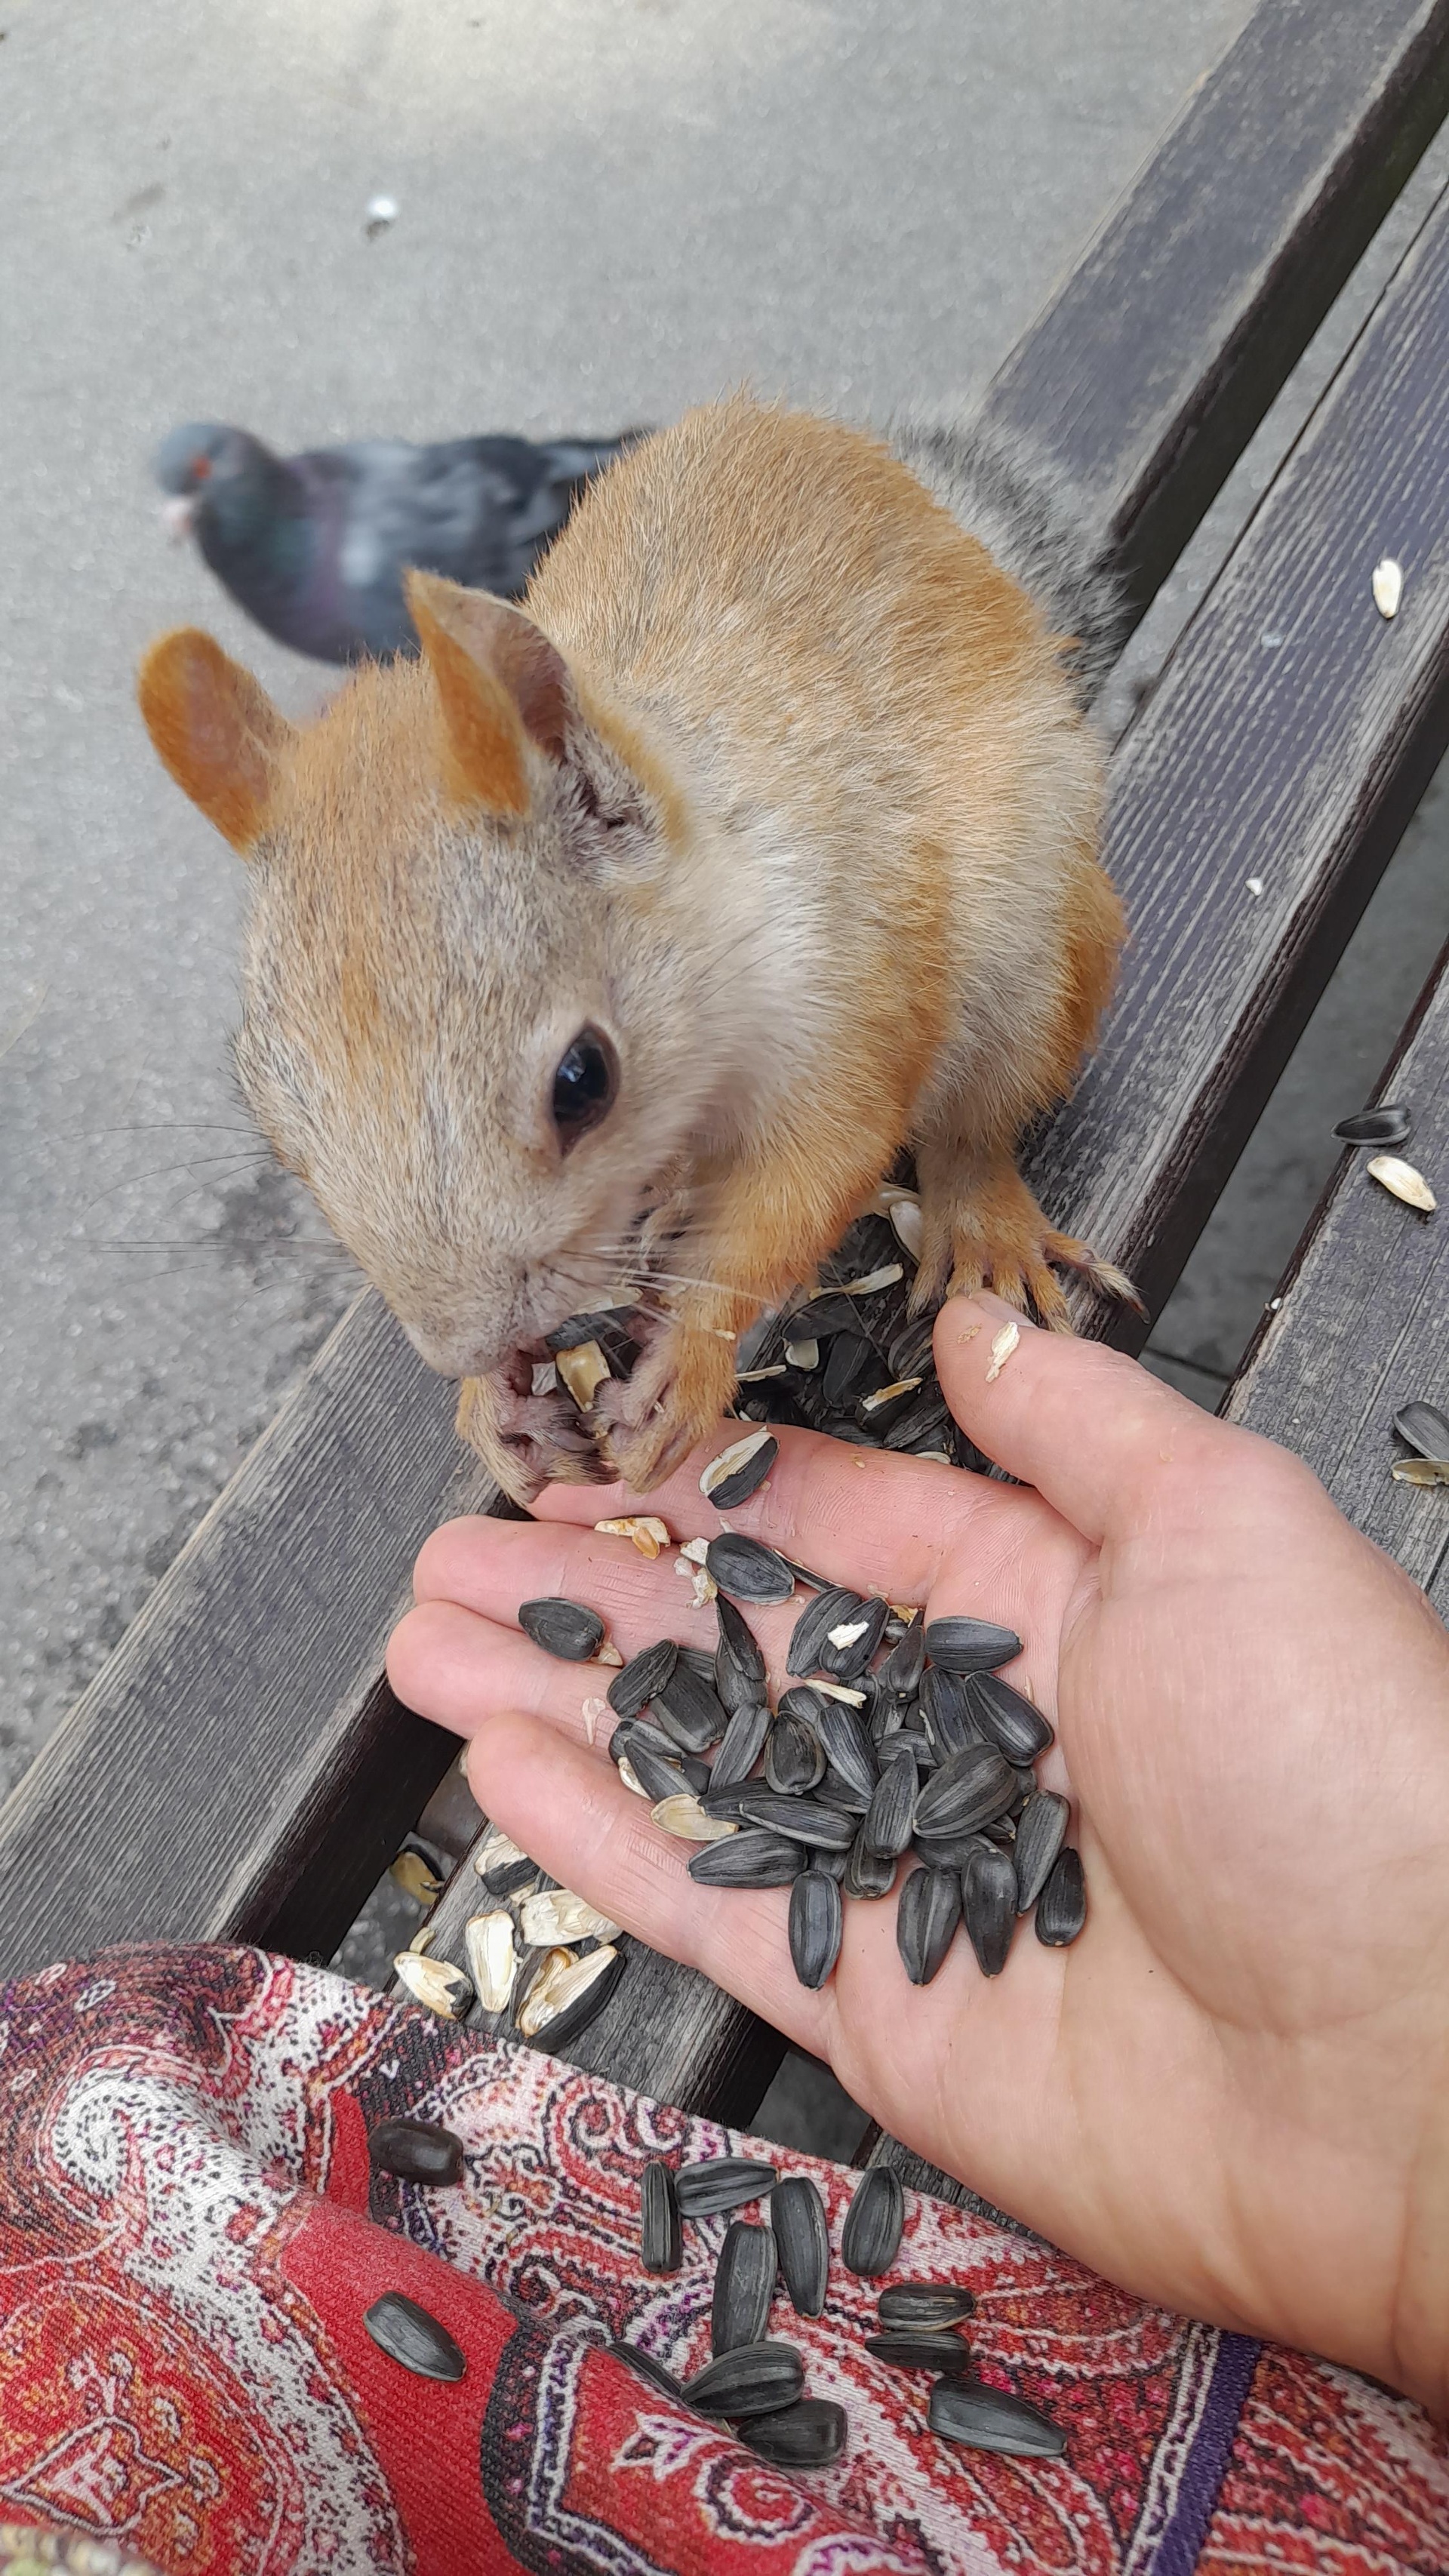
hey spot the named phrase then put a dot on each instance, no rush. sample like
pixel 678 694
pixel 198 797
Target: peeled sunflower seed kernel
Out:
pixel 887 1827
pixel 750 1858
pixel 808 2435
pixel 1402 1182
pixel 718 2183
pixel 408 2334
pixel 1041 1829
pixel 744 2284
pixel 434 1982
pixel 563 1628
pixel 1390 1125
pixel 870 2240
pixel 805 1820
pixel 817 1921
pixel 583 1371
pixel 685 1818
pixel 416 2151
pixel 967 1792
pixel 492 1958
pixel 988 2419
pixel 802 2242
pixel 970 1645
pixel 661 2242
pixel 740 1749
pixel 1424 1427
pixel 924 2305
pixel 1007 1718
pixel 754 2379
pixel 633 1688
pixel 1061 1908
pixel 812 1629
pixel 928 1910
pixel 748 1571
pixel 646 1533
pixel 920 2348
pixel 989 1908
pixel 739 1470
pixel 561 1916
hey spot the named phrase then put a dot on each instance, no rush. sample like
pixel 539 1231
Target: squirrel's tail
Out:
pixel 1028 516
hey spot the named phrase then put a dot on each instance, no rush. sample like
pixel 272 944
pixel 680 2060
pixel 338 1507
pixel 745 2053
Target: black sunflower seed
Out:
pixel 406 2333
pixel 794 1757
pixel 802 1574
pixel 750 1858
pixel 723 1804
pixel 816 1921
pixel 949 1851
pixel 755 2379
pixel 966 1792
pixel 924 1426
pixel 558 2035
pixel 928 1910
pixel 797 2217
pixel 901 1671
pixel 1424 1428
pixel 848 1748
pixel 887 1827
pixel 631 1689
pixel 644 2365
pixel 866 1874
pixel 830 1313
pixel 744 1741
pixel 912 1740
pixel 836 1791
pixel 853 1368
pixel 832 1862
pixel 739 1487
pixel 739 1666
pixel 922 2305
pixel 1390 1125
pixel 416 2150
pixel 844 1662
pixel 700 1662
pixel 805 1820
pixel 875 1413
pixel 920 2348
pixel 988 1907
pixel 1040 1832
pixel 910 1353
pixel 870 2239
pixel 716 2183
pixel 688 1710
pixel 945 1713
pixel 1061 1908
pixel 658 1776
pixel 801 1702
pixel 970 1645
pixel 563 1628
pixel 1006 1718
pixel 661 2245
pixel 887 1718
pixel 988 2419
pixel 744 2284
pixel 807 1638
pixel 607 1325
pixel 746 1570
pixel 809 2435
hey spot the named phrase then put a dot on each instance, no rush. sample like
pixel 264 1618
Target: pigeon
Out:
pixel 314 546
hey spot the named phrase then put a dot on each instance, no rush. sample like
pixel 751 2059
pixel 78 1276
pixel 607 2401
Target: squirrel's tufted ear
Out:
pixel 215 729
pixel 500 684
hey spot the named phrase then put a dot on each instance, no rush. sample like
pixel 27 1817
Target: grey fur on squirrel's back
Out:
pixel 1029 518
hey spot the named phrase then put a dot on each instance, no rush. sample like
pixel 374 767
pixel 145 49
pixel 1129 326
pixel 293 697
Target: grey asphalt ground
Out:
pixel 606 212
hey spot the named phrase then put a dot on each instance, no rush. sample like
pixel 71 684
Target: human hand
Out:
pixel 1232 2093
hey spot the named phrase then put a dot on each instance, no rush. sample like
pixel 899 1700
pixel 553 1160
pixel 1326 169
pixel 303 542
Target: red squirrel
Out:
pixel 631 933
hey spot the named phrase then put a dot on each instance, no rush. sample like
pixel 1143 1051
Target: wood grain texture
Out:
pixel 1157 358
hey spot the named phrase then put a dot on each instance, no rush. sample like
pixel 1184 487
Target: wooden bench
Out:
pixel 239 1770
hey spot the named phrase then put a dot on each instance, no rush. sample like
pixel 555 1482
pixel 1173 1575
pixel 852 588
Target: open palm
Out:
pixel 1232 2093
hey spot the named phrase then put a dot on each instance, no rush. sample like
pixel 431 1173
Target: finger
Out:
pixel 456 1668
pixel 491 1566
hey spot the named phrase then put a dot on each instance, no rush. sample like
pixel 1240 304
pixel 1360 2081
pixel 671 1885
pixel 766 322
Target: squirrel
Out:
pixel 631 933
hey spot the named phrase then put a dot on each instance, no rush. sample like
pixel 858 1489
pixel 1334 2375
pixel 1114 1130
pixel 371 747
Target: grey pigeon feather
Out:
pixel 314 546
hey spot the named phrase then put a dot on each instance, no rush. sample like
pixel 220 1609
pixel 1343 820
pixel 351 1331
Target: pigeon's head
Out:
pixel 477 1020
pixel 207 464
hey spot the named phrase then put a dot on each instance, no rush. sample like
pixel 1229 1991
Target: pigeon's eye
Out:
pixel 201 469
pixel 584 1086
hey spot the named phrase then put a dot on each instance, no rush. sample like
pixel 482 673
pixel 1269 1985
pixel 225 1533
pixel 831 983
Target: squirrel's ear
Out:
pixel 215 729
pixel 500 684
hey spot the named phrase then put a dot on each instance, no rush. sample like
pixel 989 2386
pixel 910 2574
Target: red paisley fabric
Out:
pixel 190 2235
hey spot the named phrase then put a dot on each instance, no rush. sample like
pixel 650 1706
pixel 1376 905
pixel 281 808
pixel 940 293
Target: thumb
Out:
pixel 1092 1431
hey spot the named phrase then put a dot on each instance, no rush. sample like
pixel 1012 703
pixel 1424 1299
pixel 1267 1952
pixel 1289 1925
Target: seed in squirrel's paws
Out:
pixel 583 1372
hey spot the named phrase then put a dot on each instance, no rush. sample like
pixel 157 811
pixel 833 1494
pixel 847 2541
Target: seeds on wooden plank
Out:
pixel 645 2367
pixel 1424 1427
pixel 812 1629
pixel 797 2218
pixel 1390 1125
pixel 576 1997
pixel 689 1709
pixel 717 2183
pixel 901 1671
pixel 988 1907
pixel 817 1921
pixel 408 2334
pixel 434 1982
pixel 970 1645
pixel 887 1827
pixel 1420 1471
pixel 560 1916
pixel 924 2305
pixel 1402 1182
pixel 746 1570
pixel 416 2151
pixel 661 2241
pixel 988 2419
pixel 850 1642
pixel 966 1792
pixel 927 1913
pixel 1007 1718
pixel 945 1712
pixel 743 1742
pixel 754 2379
pixel 744 2284
pixel 867 1874
pixel 1387 586
pixel 808 2435
pixel 492 1958
pixel 794 1757
pixel 685 1818
pixel 871 2237
pixel 1061 1908
pixel 1040 1832
pixel 920 2348
pixel 583 1370
pixel 848 1748
pixel 739 1470
pixel 632 1689
pixel 750 1858
pixel 563 1628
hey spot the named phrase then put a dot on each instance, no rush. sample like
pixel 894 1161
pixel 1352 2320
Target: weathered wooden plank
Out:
pixel 1364 1322
pixel 1155 361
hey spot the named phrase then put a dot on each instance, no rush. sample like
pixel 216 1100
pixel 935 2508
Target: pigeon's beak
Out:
pixel 176 517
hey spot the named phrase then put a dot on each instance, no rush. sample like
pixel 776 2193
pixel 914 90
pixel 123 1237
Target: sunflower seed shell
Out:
pixel 1402 1182
pixel 811 1631
pixel 492 1958
pixel 434 1982
pixel 794 1757
pixel 739 1470
pixel 1424 1428
pixel 560 1916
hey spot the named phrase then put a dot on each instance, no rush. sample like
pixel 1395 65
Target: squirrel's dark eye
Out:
pixel 584 1086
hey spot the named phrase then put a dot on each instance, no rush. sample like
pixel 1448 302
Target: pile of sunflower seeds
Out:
pixel 755 2383
pixel 541 1962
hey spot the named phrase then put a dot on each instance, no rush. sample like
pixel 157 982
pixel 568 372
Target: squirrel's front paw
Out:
pixel 527 1441
pixel 676 1395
